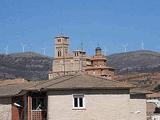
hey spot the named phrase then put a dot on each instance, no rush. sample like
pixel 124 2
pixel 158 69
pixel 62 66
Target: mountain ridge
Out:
pixel 34 66
pixel 135 61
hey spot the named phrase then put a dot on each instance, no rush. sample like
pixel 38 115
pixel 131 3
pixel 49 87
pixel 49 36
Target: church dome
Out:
pixel 98 48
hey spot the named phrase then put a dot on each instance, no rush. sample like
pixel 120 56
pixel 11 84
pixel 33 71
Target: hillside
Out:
pixel 33 66
pixel 28 65
pixel 135 61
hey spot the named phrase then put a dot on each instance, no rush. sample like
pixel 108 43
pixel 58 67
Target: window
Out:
pixel 76 53
pixel 59 53
pixel 78 101
pixel 59 40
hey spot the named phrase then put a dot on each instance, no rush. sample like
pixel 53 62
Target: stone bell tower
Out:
pixel 61 53
pixel 61 46
pixel 65 62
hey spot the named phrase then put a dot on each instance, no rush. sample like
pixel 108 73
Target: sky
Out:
pixel 109 24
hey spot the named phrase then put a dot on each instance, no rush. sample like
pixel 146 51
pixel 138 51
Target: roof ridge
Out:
pixel 43 82
pixel 62 80
pixel 100 77
pixel 2 85
pixel 115 81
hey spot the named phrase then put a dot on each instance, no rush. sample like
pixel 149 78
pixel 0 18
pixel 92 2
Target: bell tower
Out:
pixel 61 46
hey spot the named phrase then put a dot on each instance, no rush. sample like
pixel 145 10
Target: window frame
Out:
pixel 78 96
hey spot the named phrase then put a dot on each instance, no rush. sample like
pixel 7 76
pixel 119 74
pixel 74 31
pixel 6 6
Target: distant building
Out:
pixel 65 62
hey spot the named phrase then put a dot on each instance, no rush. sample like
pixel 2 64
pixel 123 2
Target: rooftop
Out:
pixel 79 81
pixel 154 95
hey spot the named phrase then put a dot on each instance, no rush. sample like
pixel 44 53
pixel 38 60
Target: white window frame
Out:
pixel 78 96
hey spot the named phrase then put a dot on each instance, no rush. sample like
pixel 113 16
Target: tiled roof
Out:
pixel 67 82
pixel 80 81
pixel 13 87
pixel 154 95
pixel 139 91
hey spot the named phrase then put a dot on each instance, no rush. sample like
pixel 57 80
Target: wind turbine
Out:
pixel 142 45
pixel 44 50
pixel 125 47
pixel 23 47
pixel 6 50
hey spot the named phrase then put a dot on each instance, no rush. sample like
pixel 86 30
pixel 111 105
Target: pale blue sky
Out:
pixel 109 23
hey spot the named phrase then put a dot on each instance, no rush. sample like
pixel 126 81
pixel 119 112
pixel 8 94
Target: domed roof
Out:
pixel 98 48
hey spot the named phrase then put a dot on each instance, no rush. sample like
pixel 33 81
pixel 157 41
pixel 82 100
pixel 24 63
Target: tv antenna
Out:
pixel 125 47
pixel 6 50
pixel 44 51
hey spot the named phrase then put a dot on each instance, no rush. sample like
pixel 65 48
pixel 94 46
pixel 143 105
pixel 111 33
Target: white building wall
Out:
pixel 5 108
pixel 137 109
pixel 97 107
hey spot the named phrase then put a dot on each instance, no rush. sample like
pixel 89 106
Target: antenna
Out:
pixel 64 60
pixel 98 43
pixel 81 59
pixel 23 47
pixel 61 30
pixel 142 45
pixel 125 47
pixel 82 45
pixel 6 50
pixel 44 50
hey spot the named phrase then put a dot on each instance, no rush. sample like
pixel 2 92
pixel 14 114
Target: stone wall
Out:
pixel 102 105
pixel 138 107
pixel 5 109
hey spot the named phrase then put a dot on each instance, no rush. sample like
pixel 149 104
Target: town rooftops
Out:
pixel 12 87
pixel 139 91
pixel 154 95
pixel 10 90
pixel 77 81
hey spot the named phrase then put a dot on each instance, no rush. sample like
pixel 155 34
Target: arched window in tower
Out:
pixel 59 40
pixel 59 53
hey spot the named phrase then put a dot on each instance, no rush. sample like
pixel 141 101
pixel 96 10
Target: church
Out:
pixel 66 62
